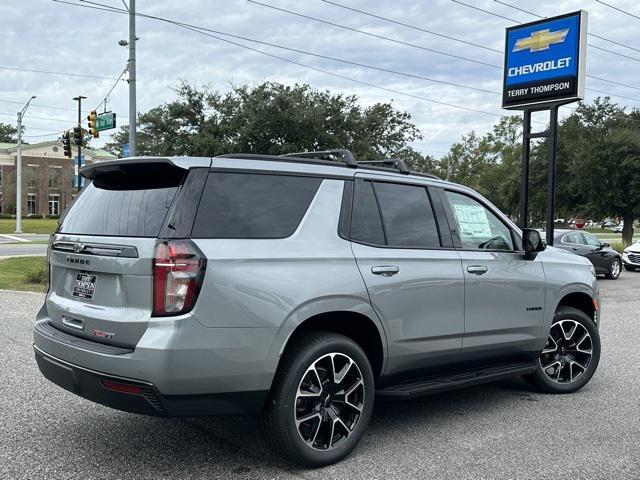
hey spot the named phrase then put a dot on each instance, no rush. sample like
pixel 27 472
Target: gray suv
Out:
pixel 301 287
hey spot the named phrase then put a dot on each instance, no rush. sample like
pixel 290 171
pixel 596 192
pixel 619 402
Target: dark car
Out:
pixel 605 259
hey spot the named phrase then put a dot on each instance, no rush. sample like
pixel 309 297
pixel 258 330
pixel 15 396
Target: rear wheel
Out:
pixel 321 400
pixel 614 269
pixel 571 354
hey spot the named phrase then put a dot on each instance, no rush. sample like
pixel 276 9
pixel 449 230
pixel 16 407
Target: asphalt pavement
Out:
pixel 498 431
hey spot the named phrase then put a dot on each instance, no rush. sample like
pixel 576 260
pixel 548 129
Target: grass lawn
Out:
pixel 29 225
pixel 23 273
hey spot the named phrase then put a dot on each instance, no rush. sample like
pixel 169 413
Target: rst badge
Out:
pixel 545 61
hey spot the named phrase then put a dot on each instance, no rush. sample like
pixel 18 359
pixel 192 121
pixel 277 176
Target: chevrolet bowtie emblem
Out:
pixel 540 40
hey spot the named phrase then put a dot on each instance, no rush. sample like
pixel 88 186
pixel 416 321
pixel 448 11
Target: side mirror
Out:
pixel 532 242
pixel 604 245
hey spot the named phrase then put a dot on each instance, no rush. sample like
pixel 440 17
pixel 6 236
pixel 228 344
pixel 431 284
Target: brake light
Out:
pixel 122 387
pixel 178 272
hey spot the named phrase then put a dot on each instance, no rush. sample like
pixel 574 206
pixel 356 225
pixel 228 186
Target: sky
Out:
pixel 57 37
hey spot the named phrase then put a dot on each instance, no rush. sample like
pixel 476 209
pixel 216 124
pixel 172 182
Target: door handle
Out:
pixel 385 270
pixel 477 269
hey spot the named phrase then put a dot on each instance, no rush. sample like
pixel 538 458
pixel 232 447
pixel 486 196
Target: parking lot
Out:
pixel 502 430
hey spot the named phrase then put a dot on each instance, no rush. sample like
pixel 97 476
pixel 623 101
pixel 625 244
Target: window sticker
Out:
pixel 473 221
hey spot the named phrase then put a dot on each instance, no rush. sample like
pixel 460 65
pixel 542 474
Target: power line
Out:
pixel 310 67
pixel 104 101
pixel 38 118
pixel 40 106
pixel 414 27
pixel 382 37
pixel 485 11
pixel 291 49
pixel 635 59
pixel 588 33
pixel 431 32
pixel 174 22
pixel 619 9
pixel 84 75
pixel 43 135
pixel 487 48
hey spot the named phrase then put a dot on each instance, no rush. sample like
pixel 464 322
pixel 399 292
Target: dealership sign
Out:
pixel 545 61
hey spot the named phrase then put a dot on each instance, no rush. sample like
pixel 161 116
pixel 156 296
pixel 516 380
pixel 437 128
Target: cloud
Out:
pixel 44 35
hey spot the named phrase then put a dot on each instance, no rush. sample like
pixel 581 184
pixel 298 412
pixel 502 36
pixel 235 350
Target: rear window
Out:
pixel 121 213
pixel 250 205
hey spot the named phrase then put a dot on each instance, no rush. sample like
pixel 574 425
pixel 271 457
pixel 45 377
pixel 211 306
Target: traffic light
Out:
pixel 66 144
pixel 77 135
pixel 92 124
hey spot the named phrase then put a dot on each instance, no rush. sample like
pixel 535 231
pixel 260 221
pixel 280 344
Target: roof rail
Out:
pixel 343 155
pixel 346 157
pixel 396 163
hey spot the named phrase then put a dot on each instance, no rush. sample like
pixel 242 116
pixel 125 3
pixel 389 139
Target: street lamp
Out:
pixel 19 169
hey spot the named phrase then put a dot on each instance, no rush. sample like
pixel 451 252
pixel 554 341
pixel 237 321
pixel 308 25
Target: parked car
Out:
pixel 631 257
pixel 301 289
pixel 608 224
pixel 605 259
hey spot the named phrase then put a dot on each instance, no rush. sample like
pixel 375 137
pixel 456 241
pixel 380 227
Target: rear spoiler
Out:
pixel 141 172
pixel 95 169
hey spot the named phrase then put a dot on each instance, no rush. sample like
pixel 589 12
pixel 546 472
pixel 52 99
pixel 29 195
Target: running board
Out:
pixel 451 381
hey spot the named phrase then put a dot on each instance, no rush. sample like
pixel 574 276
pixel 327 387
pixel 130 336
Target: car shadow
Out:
pixel 235 446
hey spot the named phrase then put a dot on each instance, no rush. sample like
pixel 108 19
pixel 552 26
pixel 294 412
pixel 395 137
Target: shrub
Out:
pixel 36 275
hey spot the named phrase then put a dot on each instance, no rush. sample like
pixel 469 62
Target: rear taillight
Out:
pixel 178 272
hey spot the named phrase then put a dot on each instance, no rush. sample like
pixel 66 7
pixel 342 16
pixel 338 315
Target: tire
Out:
pixel 629 268
pixel 615 267
pixel 583 337
pixel 306 387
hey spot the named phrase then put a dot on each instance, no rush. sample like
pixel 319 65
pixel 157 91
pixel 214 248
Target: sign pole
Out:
pixel 524 183
pixel 551 181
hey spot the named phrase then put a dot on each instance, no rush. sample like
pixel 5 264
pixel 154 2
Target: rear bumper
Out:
pixel 192 370
pixel 143 397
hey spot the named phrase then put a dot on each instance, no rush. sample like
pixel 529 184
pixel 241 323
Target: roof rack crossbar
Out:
pixel 396 163
pixel 344 155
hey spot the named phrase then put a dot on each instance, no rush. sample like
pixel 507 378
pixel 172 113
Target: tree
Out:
pixel 269 118
pixel 490 164
pixel 603 161
pixel 8 133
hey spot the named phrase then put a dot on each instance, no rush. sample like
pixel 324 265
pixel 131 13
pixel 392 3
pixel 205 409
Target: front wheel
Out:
pixel 629 268
pixel 571 354
pixel 321 400
pixel 614 269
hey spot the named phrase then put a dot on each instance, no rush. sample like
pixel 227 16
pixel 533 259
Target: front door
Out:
pixel 504 291
pixel 415 285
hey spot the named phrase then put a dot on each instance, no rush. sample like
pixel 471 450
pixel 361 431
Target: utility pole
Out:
pixel 79 142
pixel 19 169
pixel 133 151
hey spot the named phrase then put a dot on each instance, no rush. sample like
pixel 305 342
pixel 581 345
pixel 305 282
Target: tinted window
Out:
pixel 128 213
pixel 249 205
pixel 591 240
pixel 407 216
pixel 477 226
pixel 366 225
pixel 574 237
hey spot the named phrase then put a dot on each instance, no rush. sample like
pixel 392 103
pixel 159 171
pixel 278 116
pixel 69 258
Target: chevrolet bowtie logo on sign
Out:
pixel 544 61
pixel 540 40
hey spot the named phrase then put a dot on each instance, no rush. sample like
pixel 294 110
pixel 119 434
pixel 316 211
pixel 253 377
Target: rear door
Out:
pixel 504 292
pixel 101 257
pixel 413 276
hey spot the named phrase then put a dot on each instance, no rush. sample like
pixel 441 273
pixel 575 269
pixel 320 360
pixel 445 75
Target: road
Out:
pixel 498 431
pixel 14 245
